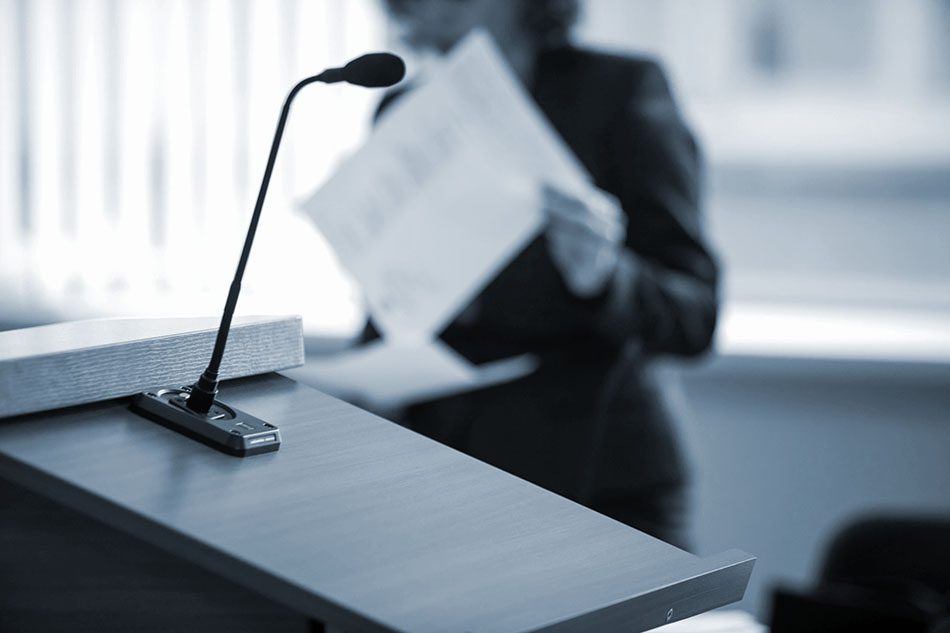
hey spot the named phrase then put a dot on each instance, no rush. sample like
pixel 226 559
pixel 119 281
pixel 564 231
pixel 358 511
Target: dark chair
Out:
pixel 879 574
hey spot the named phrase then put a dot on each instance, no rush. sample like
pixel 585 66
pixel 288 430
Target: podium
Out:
pixel 362 524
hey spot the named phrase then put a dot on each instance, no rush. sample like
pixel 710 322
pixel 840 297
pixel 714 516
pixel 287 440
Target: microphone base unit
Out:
pixel 224 428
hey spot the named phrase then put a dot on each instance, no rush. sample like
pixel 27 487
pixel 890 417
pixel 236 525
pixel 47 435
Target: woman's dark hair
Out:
pixel 548 21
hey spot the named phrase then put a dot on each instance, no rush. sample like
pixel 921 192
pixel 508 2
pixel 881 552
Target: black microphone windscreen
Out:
pixel 375 70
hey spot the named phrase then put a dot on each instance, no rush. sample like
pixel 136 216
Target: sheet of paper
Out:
pixel 392 373
pixel 724 621
pixel 444 193
pixel 452 254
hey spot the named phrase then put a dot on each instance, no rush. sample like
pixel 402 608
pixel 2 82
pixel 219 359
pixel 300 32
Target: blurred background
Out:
pixel 133 135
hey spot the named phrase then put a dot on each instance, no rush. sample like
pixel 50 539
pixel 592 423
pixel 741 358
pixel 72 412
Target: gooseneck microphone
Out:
pixel 194 410
pixel 373 70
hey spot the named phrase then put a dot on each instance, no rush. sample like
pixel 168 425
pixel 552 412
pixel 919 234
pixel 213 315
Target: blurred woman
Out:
pixel 620 276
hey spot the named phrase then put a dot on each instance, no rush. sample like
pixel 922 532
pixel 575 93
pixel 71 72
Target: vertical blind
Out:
pixel 133 135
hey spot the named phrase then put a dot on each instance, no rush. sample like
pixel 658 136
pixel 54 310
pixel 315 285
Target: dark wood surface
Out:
pixel 363 524
pixel 62 571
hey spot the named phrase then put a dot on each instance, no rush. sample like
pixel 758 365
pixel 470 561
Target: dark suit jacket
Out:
pixel 589 423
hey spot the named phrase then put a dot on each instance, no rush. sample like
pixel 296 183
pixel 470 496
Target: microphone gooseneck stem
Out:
pixel 204 391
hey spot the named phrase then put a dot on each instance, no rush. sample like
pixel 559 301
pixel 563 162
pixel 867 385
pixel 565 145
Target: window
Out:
pixel 134 138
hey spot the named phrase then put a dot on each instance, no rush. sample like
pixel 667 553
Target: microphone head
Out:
pixel 375 70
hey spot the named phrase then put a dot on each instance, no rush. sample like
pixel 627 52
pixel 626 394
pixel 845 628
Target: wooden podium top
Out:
pixel 363 524
pixel 66 364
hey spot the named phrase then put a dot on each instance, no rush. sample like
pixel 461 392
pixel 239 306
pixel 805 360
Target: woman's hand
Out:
pixel 585 236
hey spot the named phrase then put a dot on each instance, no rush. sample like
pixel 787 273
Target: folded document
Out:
pixel 391 374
